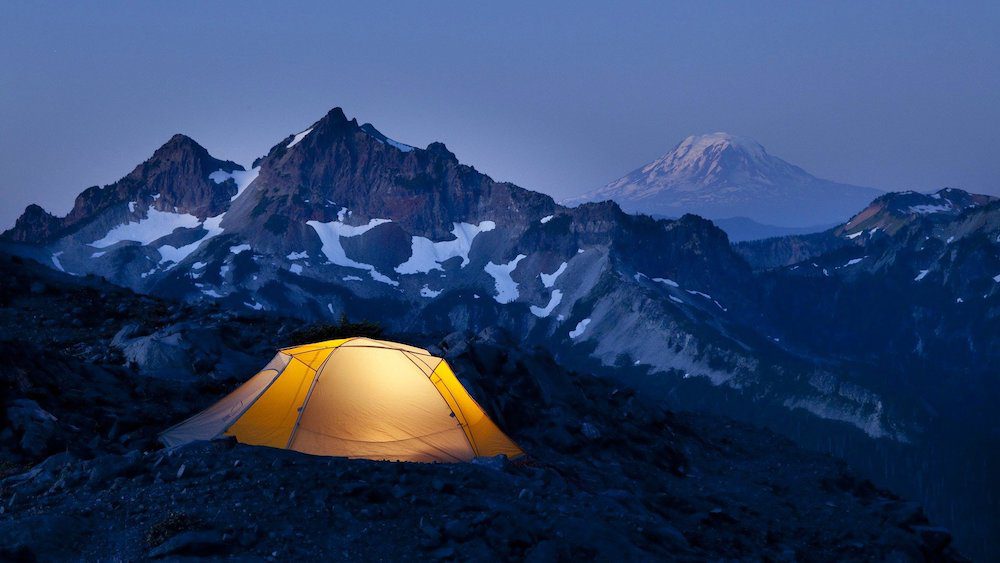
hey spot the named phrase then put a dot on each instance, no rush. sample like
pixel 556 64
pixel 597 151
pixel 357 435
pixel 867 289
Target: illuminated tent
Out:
pixel 354 397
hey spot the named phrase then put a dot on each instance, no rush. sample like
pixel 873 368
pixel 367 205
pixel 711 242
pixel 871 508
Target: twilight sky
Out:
pixel 561 98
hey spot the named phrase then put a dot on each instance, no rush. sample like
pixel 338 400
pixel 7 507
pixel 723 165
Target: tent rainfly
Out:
pixel 354 397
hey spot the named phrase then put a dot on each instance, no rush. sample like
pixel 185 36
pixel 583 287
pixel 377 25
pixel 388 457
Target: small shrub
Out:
pixel 327 331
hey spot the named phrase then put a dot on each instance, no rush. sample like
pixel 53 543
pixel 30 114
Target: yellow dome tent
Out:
pixel 354 397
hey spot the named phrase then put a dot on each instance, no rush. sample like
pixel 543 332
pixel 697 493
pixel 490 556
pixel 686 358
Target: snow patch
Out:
pixel 925 209
pixel 243 178
pixel 298 137
pixel 428 292
pixel 855 235
pixel 330 234
pixel 505 285
pixel 298 255
pixel 55 261
pixel 547 218
pixel 675 299
pixel 427 255
pixel 401 146
pixel 176 255
pixel 666 281
pixel 548 280
pixel 157 224
pixel 239 248
pixel 580 327
pixel 554 300
pixel 295 269
pixel 253 305
pixel 98 254
pixel 212 293
pixel 352 278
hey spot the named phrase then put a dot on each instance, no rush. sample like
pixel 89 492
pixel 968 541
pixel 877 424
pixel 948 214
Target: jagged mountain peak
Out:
pixel 179 177
pixel 35 224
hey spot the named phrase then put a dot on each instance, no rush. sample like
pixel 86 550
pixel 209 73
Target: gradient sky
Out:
pixel 561 98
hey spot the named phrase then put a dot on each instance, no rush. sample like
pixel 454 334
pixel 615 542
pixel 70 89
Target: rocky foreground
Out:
pixel 94 372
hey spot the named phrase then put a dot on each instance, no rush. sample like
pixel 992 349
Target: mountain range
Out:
pixel 724 176
pixel 873 339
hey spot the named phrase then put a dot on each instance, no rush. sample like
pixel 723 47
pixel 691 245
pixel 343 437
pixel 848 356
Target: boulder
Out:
pixel 37 426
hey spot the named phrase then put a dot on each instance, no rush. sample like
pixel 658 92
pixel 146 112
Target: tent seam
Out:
pixel 312 386
pixel 254 402
pixel 466 427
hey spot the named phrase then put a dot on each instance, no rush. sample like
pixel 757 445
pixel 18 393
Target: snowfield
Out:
pixel 548 280
pixel 505 285
pixel 176 255
pixel 427 255
pixel 157 224
pixel 330 233
pixel 542 312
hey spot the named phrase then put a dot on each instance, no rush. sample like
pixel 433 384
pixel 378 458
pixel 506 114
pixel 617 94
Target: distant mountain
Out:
pixel 721 175
pixel 886 215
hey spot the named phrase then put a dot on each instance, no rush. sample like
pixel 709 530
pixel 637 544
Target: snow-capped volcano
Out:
pixel 720 175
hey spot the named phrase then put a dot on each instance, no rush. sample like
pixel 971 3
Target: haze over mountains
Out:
pixel 721 176
pixel 873 339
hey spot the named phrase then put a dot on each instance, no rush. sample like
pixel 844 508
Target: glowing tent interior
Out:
pixel 353 397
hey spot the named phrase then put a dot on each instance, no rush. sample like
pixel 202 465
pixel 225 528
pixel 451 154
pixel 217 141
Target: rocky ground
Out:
pixel 93 373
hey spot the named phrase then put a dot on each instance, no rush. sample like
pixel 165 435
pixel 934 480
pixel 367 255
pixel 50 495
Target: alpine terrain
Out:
pixel 863 340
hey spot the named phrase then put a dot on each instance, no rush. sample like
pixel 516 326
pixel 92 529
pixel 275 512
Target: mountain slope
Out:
pixel 609 476
pixel 721 175
pixel 906 295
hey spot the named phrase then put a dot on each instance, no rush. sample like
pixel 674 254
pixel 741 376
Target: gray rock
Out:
pixel 590 431
pixel 497 463
pixel 193 543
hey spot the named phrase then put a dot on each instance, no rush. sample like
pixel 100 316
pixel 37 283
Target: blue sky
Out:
pixel 560 98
